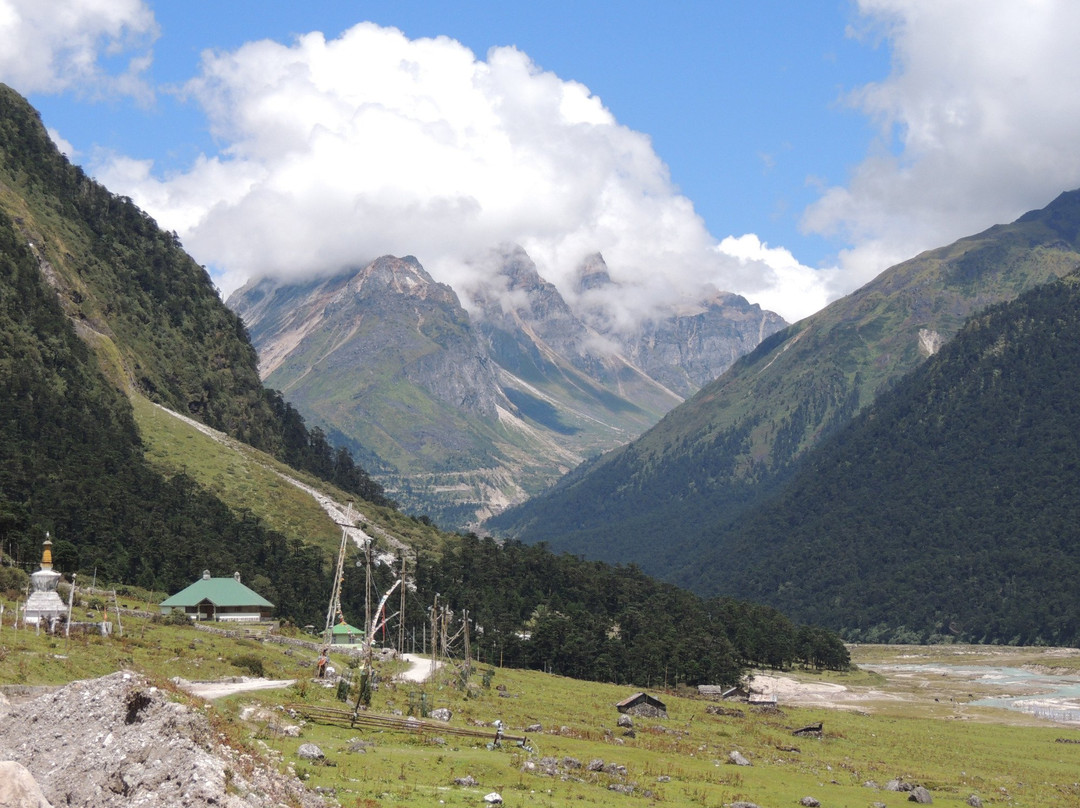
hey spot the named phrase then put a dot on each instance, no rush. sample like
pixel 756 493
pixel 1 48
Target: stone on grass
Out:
pixel 441 714
pixel 467 780
pixel 494 798
pixel 920 795
pixel 625 721
pixel 975 801
pixel 736 757
pixel 309 751
pixel 810 802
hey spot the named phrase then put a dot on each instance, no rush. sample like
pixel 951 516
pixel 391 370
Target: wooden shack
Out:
pixel 642 704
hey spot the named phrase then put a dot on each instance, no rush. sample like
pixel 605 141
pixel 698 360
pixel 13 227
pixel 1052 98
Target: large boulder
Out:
pixel 18 788
pixel 920 795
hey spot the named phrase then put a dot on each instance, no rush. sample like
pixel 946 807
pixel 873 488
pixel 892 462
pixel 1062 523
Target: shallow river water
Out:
pixel 1044 695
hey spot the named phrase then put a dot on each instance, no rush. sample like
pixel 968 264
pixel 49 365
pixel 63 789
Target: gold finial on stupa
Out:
pixel 46 554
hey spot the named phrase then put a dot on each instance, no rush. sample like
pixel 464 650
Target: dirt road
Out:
pixel 217 690
pixel 419 668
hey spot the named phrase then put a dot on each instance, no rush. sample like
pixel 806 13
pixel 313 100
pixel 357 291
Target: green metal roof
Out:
pixel 345 628
pixel 222 592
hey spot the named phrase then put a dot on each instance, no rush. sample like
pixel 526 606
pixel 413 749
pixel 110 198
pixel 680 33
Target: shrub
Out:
pixel 252 663
pixel 176 618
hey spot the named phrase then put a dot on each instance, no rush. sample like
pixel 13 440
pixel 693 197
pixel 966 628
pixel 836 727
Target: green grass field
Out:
pixel 682 760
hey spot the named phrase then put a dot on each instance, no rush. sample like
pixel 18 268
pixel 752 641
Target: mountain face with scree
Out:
pixel 463 405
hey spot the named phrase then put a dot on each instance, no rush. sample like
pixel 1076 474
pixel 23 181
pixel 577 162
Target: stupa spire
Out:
pixel 46 553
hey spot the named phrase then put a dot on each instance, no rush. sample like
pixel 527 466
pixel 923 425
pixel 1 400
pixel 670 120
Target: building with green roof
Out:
pixel 219 599
pixel 344 634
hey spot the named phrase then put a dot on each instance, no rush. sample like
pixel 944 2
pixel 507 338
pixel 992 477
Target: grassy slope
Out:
pixel 1001 756
pixel 248 480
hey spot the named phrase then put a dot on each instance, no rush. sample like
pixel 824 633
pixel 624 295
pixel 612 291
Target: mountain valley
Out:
pixel 463 406
pixel 659 500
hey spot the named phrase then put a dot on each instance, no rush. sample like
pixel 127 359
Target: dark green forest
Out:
pixel 738 441
pixel 591 620
pixel 73 465
pixel 949 510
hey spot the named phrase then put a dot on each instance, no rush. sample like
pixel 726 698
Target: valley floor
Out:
pixel 996 684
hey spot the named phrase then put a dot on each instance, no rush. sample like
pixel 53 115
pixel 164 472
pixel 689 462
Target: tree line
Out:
pixel 529 607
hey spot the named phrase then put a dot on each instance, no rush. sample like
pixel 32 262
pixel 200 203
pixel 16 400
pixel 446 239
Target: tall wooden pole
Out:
pixel 468 656
pixel 334 607
pixel 401 614
pixel 367 595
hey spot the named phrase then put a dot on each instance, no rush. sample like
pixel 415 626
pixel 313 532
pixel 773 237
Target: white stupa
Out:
pixel 44 603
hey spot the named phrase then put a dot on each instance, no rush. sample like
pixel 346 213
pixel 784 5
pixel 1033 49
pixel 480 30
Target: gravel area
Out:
pixel 119 741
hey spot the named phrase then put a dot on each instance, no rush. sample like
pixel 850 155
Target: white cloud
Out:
pixel 792 289
pixel 62 145
pixel 64 44
pixel 979 122
pixel 336 152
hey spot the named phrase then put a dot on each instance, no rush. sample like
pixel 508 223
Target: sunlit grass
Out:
pixel 250 481
pixel 681 760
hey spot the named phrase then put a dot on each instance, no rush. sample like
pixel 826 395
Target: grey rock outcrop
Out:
pixel 18 788
pixel 480 400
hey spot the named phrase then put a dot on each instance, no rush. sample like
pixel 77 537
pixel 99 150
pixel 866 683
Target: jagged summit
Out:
pixel 592 274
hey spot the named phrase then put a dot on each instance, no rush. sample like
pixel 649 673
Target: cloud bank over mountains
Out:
pixel 978 124
pixel 342 150
pixel 334 151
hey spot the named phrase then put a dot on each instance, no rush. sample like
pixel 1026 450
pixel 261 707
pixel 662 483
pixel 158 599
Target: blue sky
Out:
pixel 788 151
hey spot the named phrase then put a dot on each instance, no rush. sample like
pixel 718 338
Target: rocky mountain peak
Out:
pixel 592 274
pixel 400 276
pixel 522 386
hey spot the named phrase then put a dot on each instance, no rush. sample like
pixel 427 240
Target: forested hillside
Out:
pixel 947 510
pixel 589 620
pixel 739 439
pixel 151 312
pixel 72 464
